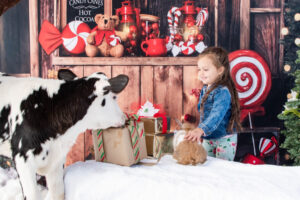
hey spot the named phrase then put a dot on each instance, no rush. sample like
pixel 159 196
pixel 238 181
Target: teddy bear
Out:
pixel 104 39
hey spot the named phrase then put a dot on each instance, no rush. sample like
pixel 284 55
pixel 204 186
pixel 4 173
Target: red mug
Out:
pixel 154 47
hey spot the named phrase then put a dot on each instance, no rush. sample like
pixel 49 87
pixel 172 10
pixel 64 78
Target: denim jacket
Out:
pixel 217 112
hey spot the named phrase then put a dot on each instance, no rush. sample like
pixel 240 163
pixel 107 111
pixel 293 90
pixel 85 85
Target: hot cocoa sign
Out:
pixel 84 10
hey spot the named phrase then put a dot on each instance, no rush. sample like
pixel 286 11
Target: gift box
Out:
pixel 122 146
pixel 159 143
pixel 156 125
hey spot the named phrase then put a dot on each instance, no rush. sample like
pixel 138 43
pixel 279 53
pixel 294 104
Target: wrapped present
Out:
pixel 155 120
pixel 159 143
pixel 123 146
pixel 156 125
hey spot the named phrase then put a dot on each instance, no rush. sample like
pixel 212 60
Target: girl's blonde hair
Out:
pixel 219 57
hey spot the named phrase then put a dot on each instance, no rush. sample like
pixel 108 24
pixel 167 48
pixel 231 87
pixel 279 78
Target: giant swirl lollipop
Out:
pixel 252 79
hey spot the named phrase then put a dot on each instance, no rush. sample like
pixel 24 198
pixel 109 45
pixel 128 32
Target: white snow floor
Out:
pixel 216 179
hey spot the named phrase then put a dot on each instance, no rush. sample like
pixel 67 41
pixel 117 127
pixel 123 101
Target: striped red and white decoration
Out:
pixel 173 24
pixel 267 146
pixel 188 48
pixel 74 37
pixel 202 17
pixel 252 77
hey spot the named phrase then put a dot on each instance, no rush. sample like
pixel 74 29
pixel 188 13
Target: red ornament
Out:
pixel 200 37
pixel 133 43
pixel 143 25
pixel 151 36
pixel 133 29
pixel 143 33
pixel 178 37
pixel 190 24
pixel 155 26
pixel 130 36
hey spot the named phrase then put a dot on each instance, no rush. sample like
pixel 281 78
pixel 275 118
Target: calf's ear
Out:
pixel 118 83
pixel 66 74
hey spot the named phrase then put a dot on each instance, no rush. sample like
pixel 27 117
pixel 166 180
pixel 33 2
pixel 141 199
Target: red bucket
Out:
pixel 251 159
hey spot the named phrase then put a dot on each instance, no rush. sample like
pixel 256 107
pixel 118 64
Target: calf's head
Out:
pixel 104 111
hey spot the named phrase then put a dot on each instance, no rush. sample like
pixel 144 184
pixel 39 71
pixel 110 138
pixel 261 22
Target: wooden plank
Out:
pixel 146 84
pixel 88 70
pixel 34 45
pixel 127 61
pixel 63 13
pixel 265 10
pixel 45 13
pixel 168 90
pixel 234 28
pixel 245 24
pixel 78 70
pixel 281 47
pixel 216 21
pixel 108 7
pixel 190 81
pixel 266 35
pixel 131 94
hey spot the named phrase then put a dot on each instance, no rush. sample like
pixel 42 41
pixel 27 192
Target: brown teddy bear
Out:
pixel 104 39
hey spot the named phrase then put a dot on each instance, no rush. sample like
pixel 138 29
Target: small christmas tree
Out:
pixel 291 114
pixel 291 117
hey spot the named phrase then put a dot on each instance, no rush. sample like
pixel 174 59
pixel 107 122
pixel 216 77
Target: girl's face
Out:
pixel 208 73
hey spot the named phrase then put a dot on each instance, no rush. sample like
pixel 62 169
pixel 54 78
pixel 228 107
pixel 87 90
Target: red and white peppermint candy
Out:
pixel 74 36
pixel 202 17
pixel 267 146
pixel 188 48
pixel 114 40
pixel 251 76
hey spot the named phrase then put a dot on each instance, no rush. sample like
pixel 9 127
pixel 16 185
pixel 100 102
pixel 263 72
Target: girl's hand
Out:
pixel 194 135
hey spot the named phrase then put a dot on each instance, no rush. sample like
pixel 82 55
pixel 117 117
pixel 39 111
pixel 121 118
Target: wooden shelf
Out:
pixel 125 61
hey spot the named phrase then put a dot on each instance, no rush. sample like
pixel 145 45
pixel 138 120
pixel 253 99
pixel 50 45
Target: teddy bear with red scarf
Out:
pixel 104 39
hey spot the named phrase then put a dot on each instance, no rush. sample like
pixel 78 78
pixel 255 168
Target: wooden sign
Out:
pixel 84 10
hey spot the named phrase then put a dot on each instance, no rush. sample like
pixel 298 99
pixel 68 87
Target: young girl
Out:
pixel 218 105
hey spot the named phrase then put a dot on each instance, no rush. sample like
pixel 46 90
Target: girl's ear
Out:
pixel 221 70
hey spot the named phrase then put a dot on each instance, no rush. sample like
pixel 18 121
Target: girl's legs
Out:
pixel 223 148
pixel 226 147
pixel 210 147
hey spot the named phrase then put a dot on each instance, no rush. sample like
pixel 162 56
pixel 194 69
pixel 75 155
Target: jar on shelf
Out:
pixel 129 23
pixel 149 28
pixel 186 27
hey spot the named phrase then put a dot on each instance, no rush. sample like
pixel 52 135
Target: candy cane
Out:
pixel 173 26
pixel 202 17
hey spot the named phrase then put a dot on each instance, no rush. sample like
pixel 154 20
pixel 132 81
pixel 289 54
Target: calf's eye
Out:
pixel 103 103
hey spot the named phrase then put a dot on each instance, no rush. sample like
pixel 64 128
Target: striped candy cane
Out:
pixel 202 17
pixel 173 25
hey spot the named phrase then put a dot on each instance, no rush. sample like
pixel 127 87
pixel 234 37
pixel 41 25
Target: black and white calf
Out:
pixel 40 120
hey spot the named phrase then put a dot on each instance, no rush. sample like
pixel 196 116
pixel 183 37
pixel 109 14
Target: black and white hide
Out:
pixel 40 120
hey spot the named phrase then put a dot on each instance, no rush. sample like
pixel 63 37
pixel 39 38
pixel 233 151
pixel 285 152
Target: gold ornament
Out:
pixel 289 95
pixel 287 68
pixel 284 31
pixel 297 41
pixel 297 17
